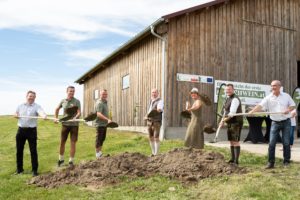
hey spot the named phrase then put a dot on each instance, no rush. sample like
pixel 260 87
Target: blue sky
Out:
pixel 46 45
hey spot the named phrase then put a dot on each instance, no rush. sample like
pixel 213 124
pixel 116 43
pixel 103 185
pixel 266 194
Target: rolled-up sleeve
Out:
pixel 160 105
pixel 234 106
pixel 40 111
pixel 291 101
pixel 264 104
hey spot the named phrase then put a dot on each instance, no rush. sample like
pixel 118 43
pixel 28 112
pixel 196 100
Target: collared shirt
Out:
pixel 279 103
pixel 27 109
pixel 160 105
pixel 101 106
pixel 69 103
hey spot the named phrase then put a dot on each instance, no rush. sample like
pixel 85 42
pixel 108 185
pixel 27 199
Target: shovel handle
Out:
pixel 36 117
pixel 258 113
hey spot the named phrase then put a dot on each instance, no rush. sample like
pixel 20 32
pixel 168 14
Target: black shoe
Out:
pixel 230 161
pixel 286 164
pixel 270 166
pixel 60 162
pixel 19 172
pixel 35 173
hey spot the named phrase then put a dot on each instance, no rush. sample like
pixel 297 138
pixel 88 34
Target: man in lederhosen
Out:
pixel 234 123
pixel 154 123
pixel 101 122
pixel 69 127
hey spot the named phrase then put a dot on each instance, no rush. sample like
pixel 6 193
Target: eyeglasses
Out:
pixel 274 85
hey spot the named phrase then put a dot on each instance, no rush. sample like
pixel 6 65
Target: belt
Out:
pixel 27 127
pixel 280 121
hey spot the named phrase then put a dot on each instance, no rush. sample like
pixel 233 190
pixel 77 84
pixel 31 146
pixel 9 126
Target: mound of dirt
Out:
pixel 185 164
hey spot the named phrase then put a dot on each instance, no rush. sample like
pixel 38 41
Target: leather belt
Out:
pixel 280 121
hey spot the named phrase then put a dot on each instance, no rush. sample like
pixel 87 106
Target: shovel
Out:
pixel 257 113
pixel 63 119
pixel 218 130
pixel 112 125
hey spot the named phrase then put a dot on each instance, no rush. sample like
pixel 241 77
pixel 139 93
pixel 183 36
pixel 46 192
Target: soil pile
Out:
pixel 186 165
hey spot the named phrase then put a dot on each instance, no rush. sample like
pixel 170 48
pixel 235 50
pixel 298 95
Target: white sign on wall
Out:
pixel 195 78
pixel 249 93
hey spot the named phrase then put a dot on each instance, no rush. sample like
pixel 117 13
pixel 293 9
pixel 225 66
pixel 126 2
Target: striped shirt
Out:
pixel 27 109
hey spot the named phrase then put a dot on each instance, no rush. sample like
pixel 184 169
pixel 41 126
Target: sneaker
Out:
pixel 71 164
pixel 98 155
pixel 60 162
pixel 270 166
pixel 35 173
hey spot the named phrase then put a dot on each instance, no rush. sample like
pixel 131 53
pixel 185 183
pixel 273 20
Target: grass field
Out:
pixel 280 183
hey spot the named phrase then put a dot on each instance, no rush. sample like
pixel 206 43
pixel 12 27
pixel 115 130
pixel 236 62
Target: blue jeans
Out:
pixel 292 135
pixel 284 127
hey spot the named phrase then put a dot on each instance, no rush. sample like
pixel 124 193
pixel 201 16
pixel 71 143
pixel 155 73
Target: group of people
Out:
pixel 277 101
pixel 27 112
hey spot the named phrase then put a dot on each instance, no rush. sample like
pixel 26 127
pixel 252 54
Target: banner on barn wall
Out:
pixel 195 78
pixel 249 93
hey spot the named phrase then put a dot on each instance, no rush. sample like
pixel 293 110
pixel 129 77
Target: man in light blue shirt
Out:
pixel 27 131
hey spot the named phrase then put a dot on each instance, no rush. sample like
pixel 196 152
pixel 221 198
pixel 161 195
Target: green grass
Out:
pixel 257 184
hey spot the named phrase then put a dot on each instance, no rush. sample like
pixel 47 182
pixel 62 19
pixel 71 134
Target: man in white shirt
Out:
pixel 154 123
pixel 278 101
pixel 27 131
pixel 232 106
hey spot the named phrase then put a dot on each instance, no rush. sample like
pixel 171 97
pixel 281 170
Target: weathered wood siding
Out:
pixel 252 41
pixel 143 63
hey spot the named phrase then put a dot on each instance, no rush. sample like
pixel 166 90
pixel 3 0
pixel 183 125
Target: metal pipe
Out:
pixel 162 135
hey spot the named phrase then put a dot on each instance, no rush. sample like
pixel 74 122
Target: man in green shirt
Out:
pixel 69 126
pixel 101 122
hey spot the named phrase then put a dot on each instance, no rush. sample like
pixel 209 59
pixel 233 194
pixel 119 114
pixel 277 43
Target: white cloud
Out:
pixel 70 21
pixel 49 91
pixel 85 19
pixel 90 54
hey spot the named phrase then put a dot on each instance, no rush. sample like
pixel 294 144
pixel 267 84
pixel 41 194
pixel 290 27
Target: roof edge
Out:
pixel 119 50
pixel 192 9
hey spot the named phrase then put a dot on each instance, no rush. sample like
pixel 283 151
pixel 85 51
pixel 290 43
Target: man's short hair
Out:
pixel 31 92
pixel 103 90
pixel 70 87
pixel 230 85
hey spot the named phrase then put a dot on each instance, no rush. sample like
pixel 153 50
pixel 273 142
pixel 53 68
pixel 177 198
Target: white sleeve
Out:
pixel 18 110
pixel 264 104
pixel 160 105
pixel 40 111
pixel 234 106
pixel 291 101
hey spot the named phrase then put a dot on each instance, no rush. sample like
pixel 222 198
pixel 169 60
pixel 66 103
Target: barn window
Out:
pixel 125 82
pixel 96 94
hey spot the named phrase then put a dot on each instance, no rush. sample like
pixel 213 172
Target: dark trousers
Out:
pixel 100 136
pixel 24 134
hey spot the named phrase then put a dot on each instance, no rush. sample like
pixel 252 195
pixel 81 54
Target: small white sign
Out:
pixel 195 78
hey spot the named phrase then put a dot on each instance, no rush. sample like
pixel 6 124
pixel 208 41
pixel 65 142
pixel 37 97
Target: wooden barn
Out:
pixel 253 41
